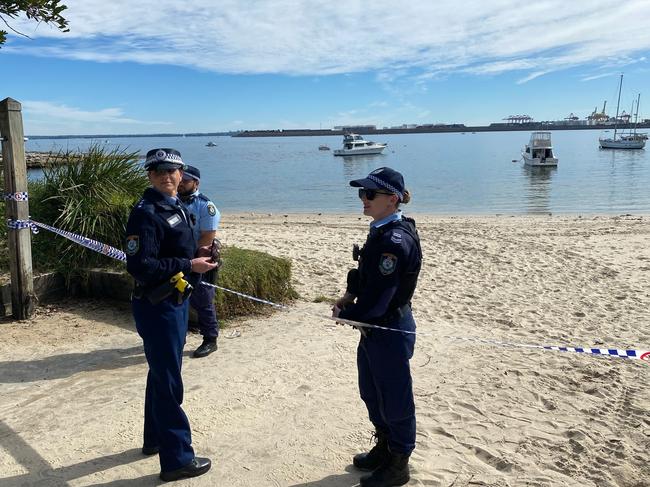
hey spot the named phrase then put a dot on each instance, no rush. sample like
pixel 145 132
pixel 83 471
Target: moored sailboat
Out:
pixel 631 141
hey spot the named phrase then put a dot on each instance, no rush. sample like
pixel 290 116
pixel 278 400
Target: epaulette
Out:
pixel 145 205
pixel 203 197
pixel 395 230
pixel 409 220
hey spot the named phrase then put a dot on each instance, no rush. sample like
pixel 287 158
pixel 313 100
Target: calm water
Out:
pixel 446 173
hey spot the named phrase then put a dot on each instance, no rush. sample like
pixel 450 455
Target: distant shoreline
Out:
pixel 421 129
pixel 425 129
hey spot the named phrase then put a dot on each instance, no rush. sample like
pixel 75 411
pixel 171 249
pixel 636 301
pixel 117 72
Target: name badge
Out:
pixel 173 220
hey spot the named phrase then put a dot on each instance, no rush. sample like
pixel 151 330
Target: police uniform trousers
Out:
pixel 385 382
pixel 202 300
pixel 163 328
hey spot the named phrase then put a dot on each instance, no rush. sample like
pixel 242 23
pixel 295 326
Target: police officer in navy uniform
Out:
pixel 159 247
pixel 379 292
pixel 205 231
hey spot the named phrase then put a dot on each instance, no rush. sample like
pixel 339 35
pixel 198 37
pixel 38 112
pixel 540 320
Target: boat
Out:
pixel 539 151
pixel 210 144
pixel 629 141
pixel 355 145
pixel 323 147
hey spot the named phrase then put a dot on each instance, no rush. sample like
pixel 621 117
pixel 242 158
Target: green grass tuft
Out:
pixel 254 273
pixel 324 299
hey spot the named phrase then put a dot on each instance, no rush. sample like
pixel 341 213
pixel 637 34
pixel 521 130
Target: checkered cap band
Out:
pixel 389 187
pixel 164 156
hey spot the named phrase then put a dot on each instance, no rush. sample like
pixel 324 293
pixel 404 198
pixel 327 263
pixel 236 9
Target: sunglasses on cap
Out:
pixel 370 194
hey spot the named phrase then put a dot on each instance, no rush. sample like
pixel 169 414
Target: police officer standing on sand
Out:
pixel 379 292
pixel 160 251
pixel 205 230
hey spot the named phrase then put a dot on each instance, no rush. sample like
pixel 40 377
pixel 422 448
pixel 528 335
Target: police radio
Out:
pixel 356 252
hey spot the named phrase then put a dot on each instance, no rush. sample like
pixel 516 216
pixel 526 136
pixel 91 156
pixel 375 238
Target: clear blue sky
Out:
pixel 202 66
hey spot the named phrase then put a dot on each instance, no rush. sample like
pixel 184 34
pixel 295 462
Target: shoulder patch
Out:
pixel 132 244
pixel 387 264
pixel 212 210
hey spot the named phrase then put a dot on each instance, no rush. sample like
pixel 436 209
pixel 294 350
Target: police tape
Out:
pixel 89 243
pixel 643 355
pixel 18 196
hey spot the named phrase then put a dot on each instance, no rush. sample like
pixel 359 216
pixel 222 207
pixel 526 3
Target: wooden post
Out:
pixel 15 173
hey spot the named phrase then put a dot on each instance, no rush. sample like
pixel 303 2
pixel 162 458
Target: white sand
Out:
pixel 279 406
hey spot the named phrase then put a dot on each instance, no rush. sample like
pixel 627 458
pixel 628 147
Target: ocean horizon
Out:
pixel 447 173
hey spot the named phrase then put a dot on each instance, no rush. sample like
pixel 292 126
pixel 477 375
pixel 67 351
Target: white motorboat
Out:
pixel 539 150
pixel 355 145
pixel 629 141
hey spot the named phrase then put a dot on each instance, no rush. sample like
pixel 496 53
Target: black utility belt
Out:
pixel 176 288
pixel 395 314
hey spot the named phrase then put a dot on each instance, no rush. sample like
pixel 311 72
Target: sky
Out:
pixel 203 66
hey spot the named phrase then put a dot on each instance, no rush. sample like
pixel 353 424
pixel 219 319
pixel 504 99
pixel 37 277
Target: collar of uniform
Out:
pixel 390 218
pixel 156 195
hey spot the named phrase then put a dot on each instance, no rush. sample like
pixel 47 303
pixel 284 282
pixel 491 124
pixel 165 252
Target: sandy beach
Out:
pixel 278 405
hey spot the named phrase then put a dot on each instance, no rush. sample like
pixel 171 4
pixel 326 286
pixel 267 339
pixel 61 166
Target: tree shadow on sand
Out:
pixel 60 366
pixel 40 473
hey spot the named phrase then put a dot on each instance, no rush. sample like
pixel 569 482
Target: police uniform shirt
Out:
pixel 159 242
pixel 389 264
pixel 207 215
pixel 390 218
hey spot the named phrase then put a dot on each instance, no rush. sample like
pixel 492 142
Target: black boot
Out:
pixel 376 456
pixel 208 346
pixel 392 473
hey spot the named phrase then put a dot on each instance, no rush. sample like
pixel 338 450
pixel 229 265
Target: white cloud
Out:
pixel 598 76
pixel 320 37
pixel 39 117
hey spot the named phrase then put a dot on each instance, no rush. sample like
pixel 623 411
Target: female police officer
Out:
pixel 379 292
pixel 159 246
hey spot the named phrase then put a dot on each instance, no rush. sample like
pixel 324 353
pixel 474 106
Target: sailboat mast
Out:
pixel 618 104
pixel 636 115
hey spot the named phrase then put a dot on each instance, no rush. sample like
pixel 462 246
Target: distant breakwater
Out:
pixel 426 129
pixel 37 160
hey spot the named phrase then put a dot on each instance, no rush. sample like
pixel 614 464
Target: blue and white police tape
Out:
pixel 247 296
pixel 18 196
pixel 604 352
pixel 78 239
pixel 114 253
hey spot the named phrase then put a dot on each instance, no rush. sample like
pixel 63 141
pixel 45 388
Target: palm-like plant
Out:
pixel 88 193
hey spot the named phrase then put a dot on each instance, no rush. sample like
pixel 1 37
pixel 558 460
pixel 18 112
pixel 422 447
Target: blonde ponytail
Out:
pixel 407 196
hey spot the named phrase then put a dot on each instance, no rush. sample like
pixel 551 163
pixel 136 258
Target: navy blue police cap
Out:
pixel 191 172
pixel 163 159
pixel 383 178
